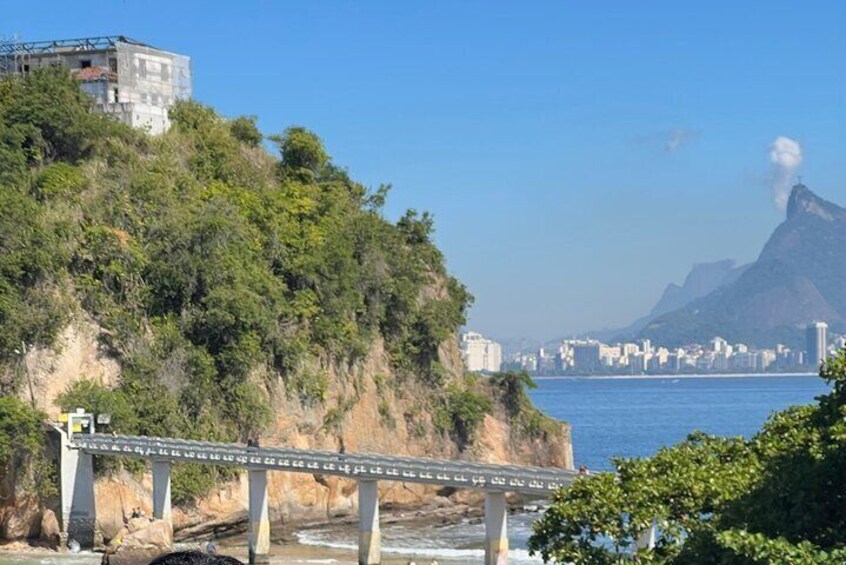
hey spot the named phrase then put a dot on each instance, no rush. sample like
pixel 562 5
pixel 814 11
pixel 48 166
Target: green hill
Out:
pixel 220 275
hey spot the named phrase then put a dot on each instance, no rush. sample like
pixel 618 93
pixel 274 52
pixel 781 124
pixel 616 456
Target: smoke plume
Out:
pixel 785 156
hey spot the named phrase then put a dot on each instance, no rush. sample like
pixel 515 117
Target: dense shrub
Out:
pixel 22 446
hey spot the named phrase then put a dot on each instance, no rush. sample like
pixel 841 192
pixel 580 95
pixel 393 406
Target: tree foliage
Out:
pixel 22 446
pixel 778 497
pixel 213 267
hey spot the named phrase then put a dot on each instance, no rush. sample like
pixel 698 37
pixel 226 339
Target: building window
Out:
pixel 165 72
pixel 85 63
pixel 154 99
pixel 113 64
pixel 117 98
pixel 142 68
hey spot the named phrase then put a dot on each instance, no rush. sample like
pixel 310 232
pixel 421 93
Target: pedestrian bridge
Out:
pixel 78 510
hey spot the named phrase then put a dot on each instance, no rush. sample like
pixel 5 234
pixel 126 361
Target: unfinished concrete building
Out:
pixel 132 81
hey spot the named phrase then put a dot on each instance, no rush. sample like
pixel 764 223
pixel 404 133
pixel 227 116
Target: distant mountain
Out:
pixel 702 279
pixel 799 277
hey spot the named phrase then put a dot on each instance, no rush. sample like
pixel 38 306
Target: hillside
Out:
pixel 797 278
pixel 702 279
pixel 193 284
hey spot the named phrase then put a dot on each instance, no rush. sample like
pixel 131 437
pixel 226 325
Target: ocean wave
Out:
pixel 516 555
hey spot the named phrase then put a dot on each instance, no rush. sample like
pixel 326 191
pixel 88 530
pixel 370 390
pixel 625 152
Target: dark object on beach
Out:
pixel 194 558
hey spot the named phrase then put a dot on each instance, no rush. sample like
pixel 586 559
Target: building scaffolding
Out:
pixel 128 79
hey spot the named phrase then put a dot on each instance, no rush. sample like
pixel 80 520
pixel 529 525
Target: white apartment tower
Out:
pixel 132 81
pixel 479 353
pixel 817 342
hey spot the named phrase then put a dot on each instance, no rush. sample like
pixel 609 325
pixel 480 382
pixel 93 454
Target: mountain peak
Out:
pixel 803 201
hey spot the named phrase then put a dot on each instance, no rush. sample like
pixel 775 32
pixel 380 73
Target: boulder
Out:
pixel 136 524
pixel 117 539
pixel 22 521
pixel 50 529
pixel 156 536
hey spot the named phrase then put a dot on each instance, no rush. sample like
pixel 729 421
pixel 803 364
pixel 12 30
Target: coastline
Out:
pixel 305 543
pixel 672 376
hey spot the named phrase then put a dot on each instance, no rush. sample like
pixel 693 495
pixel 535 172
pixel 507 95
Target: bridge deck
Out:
pixel 459 474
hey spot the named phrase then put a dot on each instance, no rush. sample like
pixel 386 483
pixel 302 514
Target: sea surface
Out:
pixel 636 416
pixel 610 417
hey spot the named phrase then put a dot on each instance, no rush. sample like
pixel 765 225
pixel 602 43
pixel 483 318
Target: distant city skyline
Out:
pixel 642 356
pixel 576 157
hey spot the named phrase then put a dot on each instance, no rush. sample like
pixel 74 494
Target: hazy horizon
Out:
pixel 576 158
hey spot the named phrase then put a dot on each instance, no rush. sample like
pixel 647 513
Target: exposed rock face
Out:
pixel 23 520
pixel 50 528
pixel 76 354
pixel 371 411
pixel 145 535
pixel 20 510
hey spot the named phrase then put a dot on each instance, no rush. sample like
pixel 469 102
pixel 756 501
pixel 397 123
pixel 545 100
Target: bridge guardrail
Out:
pixel 459 474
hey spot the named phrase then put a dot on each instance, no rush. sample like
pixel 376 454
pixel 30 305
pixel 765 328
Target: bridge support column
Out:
pixel 496 532
pixel 77 495
pixel 161 491
pixel 369 535
pixel 259 534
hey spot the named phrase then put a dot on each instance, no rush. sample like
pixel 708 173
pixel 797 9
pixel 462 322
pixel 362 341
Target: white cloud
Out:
pixel 785 156
pixel 677 138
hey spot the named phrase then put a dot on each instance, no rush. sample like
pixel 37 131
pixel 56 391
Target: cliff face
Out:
pixel 367 409
pixel 797 279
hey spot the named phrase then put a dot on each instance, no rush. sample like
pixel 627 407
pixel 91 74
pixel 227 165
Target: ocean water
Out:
pixel 635 416
pixel 610 417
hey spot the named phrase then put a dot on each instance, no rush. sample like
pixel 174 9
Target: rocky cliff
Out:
pixel 368 409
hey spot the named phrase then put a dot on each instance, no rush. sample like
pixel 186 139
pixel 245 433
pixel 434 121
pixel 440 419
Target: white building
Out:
pixel 479 353
pixel 817 344
pixel 134 82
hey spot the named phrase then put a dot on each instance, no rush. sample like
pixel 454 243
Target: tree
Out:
pixel 244 129
pixel 776 498
pixel 301 151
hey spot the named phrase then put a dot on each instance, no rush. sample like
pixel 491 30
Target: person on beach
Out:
pixel 194 558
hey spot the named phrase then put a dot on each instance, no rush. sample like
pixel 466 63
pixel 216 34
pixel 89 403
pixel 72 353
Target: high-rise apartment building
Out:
pixel 816 344
pixel 479 353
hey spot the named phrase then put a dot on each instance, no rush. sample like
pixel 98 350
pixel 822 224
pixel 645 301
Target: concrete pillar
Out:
pixel 259 534
pixel 496 532
pixel 78 514
pixel 161 491
pixel 369 536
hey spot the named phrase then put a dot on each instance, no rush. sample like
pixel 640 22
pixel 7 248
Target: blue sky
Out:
pixel 537 133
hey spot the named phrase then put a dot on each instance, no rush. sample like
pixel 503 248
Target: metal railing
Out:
pixel 459 474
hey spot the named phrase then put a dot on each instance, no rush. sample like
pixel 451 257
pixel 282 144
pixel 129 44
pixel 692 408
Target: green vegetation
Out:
pixel 22 447
pixel 776 498
pixel 213 267
pixel 462 410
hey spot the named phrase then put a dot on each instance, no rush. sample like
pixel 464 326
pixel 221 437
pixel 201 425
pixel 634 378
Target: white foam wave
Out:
pixel 517 555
